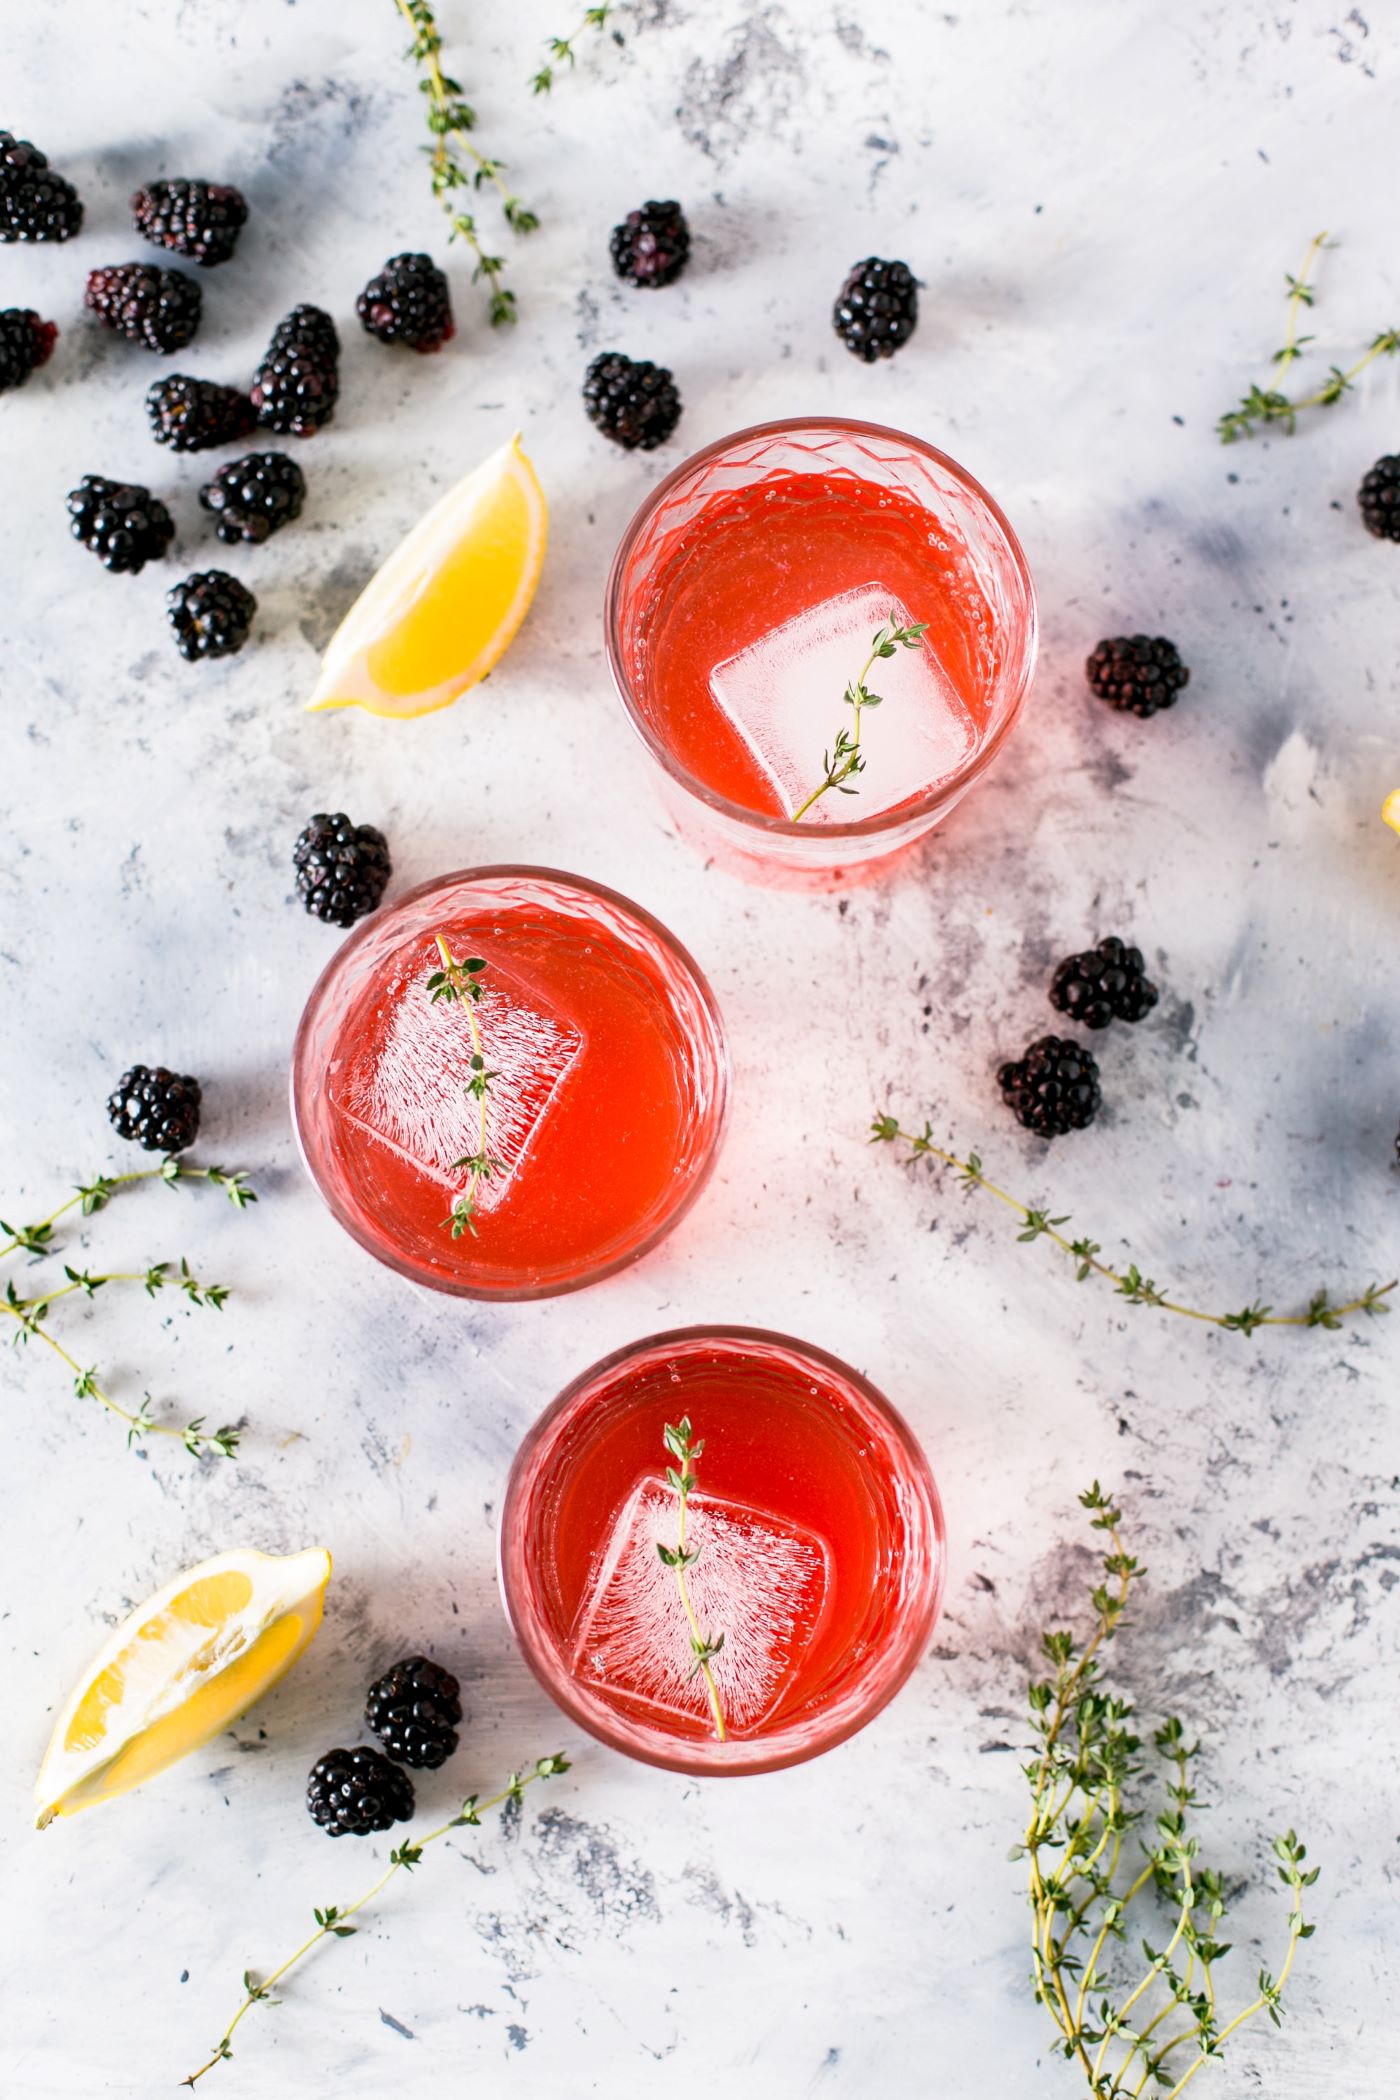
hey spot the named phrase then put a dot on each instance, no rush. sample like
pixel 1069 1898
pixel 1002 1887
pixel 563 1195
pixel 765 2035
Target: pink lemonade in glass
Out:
pixel 745 598
pixel 605 1082
pixel 816 1530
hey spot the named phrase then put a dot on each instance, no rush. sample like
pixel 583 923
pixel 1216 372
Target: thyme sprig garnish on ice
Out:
pixel 30 1312
pixel 845 758
pixel 461 983
pixel 333 1920
pixel 1130 1283
pixel 561 50
pixel 1090 1856
pixel 685 1449
pixel 1269 404
pixel 458 167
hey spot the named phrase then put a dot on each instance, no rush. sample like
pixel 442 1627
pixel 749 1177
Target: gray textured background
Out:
pixel 1101 200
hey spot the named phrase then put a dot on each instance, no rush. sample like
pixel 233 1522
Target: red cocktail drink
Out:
pixel 744 600
pixel 576 1100
pixel 815 1531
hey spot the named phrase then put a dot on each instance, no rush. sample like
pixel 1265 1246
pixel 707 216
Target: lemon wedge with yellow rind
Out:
pixel 185 1665
pixel 1390 809
pixel 448 602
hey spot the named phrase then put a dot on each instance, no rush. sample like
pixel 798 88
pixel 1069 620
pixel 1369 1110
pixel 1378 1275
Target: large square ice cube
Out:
pixel 784 695
pixel 760 1580
pixel 409 1090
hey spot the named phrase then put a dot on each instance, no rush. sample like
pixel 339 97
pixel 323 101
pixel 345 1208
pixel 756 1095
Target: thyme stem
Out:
pixel 844 759
pixel 1268 404
pixel 1086 1741
pixel 1130 1283
pixel 460 983
pixel 331 1923
pixel 681 1557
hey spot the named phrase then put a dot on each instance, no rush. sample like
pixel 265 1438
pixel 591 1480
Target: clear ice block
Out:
pixel 760 1580
pixel 409 1089
pixel 784 695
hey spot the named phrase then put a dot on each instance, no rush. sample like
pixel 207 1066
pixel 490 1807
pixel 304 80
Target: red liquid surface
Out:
pixel 811 1582
pixel 602 1111
pixel 753 558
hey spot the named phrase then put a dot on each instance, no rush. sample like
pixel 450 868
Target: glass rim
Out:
pixel 933 798
pixel 403 1265
pixel 887 1676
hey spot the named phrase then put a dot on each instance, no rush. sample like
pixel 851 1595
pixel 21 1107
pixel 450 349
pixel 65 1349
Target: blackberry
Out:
pixel 877 308
pixel 1136 674
pixel 124 525
pixel 201 220
pixel 351 1792
pixel 414 1709
pixel 409 303
pixel 652 246
pixel 631 403
pixel 296 386
pixel 190 415
pixel 26 342
pixel 35 204
pixel 1054 1088
pixel 1379 497
pixel 253 497
pixel 157 308
pixel 342 868
pixel 211 613
pixel 157 1108
pixel 1103 984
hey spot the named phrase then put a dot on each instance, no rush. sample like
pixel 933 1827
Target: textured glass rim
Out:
pixel 934 798
pixel 429 1280
pixel 894 1667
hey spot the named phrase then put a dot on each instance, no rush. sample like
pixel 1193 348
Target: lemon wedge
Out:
pixel 1390 809
pixel 446 605
pixel 187 1662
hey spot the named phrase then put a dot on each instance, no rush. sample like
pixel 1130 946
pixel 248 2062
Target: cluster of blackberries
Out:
pixel 414 1710
pixel 1055 1087
pixel 638 405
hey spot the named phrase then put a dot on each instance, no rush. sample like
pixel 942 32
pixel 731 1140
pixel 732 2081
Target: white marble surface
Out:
pixel 1101 200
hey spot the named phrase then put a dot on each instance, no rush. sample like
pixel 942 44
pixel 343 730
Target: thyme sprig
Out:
pixel 458 166
pixel 845 758
pixel 333 1921
pixel 561 50
pixel 1131 1284
pixel 30 1313
pixel 1082 1884
pixel 685 1448
pixel 459 982
pixel 1269 404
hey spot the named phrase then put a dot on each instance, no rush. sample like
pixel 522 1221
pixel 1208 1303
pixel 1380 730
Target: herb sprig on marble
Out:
pixel 30 1311
pixel 1091 1856
pixel 562 52
pixel 1130 1282
pixel 458 168
pixel 845 759
pixel 332 1921
pixel 685 1448
pixel 1269 404
pixel 460 982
